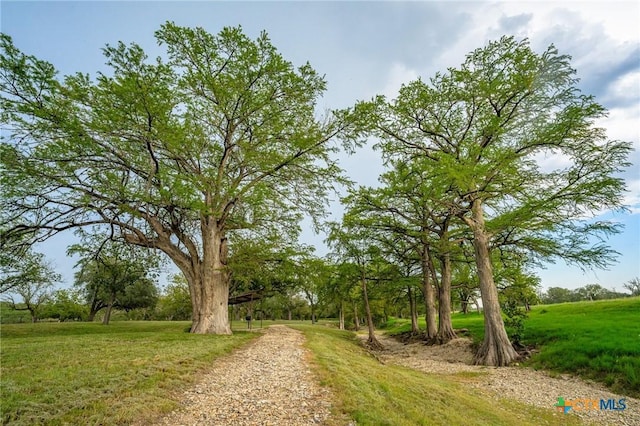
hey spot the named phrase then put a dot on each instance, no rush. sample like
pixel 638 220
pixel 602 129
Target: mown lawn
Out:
pixel 375 394
pixel 86 373
pixel 598 340
pixel 82 373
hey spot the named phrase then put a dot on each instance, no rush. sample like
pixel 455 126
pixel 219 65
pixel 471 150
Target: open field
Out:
pixel 376 394
pixel 86 373
pixel 597 340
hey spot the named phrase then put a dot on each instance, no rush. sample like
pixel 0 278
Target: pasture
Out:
pixel 86 373
pixel 127 372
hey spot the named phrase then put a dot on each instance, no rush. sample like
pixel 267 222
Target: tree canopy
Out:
pixel 174 154
pixel 478 133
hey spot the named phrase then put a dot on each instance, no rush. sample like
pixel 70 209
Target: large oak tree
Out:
pixel 173 154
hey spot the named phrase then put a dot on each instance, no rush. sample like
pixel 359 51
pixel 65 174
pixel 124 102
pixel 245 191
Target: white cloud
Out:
pixel 626 87
pixel 552 161
pixel 622 124
pixel 632 197
pixel 398 75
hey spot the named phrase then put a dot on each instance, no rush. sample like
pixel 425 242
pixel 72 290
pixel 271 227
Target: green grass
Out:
pixel 257 324
pixel 86 373
pixel 597 340
pixel 375 394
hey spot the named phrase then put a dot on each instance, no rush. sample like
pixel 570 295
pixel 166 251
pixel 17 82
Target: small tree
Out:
pixel 34 285
pixel 66 305
pixel 558 295
pixel 114 275
pixel 591 292
pixel 175 303
pixel 355 246
pixel 633 286
pixel 141 294
pixel 312 275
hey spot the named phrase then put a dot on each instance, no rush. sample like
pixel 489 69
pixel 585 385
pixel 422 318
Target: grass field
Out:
pixel 83 373
pixel 375 394
pixel 86 373
pixel 598 340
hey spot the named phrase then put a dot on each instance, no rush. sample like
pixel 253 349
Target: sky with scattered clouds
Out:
pixel 369 48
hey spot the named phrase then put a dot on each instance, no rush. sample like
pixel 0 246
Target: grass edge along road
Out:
pixel 597 340
pixel 86 373
pixel 376 394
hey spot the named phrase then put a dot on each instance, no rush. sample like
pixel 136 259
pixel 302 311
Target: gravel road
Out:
pixel 523 384
pixel 267 382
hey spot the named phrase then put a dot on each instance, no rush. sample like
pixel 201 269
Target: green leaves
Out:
pixel 478 132
pixel 223 130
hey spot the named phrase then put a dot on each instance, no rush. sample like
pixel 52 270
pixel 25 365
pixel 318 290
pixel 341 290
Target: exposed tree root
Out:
pixel 495 355
pixel 373 344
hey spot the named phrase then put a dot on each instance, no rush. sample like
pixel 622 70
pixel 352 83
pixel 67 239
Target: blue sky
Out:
pixel 366 48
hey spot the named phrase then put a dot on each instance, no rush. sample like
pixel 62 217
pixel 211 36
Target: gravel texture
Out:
pixel 523 384
pixel 267 382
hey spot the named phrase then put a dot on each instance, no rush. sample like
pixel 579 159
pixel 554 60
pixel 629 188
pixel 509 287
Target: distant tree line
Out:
pixel 588 292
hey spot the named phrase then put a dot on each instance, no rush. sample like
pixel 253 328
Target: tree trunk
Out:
pixel 289 314
pixel 210 308
pixel 95 305
pixel 496 348
pixel 92 315
pixel 445 328
pixel 209 284
pixel 372 342
pixel 341 315
pixel 107 314
pixel 429 296
pixel 464 305
pixel 414 314
pixel 356 319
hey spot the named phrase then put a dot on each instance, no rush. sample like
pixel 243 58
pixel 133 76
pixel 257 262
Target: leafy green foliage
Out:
pixel 23 270
pixel 477 132
pixel 515 317
pixel 175 303
pixel 113 275
pixel 67 305
pixel 175 155
pixel 214 130
pixel 32 281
